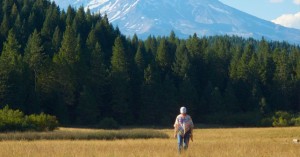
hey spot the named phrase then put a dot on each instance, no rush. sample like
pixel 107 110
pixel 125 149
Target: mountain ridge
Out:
pixel 185 17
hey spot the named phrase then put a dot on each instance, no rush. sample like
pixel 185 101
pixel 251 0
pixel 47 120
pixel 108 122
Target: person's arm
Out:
pixel 175 128
pixel 191 136
pixel 175 132
pixel 192 128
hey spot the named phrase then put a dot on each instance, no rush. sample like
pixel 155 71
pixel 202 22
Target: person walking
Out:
pixel 183 129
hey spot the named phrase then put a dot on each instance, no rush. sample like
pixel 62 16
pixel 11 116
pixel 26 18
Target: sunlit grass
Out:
pixel 237 142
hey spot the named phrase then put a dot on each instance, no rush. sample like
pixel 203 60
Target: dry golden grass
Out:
pixel 240 142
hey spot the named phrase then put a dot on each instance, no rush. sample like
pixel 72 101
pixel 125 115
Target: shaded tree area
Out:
pixel 77 66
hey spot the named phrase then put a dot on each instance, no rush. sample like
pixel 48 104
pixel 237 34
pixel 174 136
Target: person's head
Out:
pixel 183 110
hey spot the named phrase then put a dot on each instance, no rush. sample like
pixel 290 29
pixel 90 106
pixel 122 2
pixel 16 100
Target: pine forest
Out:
pixel 76 65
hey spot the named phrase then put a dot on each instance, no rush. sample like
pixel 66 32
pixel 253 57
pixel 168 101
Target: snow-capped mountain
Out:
pixel 184 17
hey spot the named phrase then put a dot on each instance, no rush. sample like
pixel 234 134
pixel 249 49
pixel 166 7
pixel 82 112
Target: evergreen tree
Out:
pixel 234 62
pixel 19 29
pixel 172 37
pixel 65 63
pixel 11 50
pixel 182 63
pixel 36 60
pixel 97 74
pixel 31 21
pixel 49 27
pixel 164 57
pixel 88 113
pixel 39 9
pixel 50 22
pixel 119 64
pixel 188 96
pixel 97 82
pixel 265 62
pixel 5 26
pixel 140 57
pixel 135 42
pixel 120 83
pixel 282 76
pixel 282 71
pixel 70 16
pixel 35 56
pixel 80 24
pixel 67 53
pixel 56 41
pixel 197 68
pixel 167 100
pixel 194 47
pixel 298 69
pixel 243 69
pixel 14 12
pixel 91 41
pixel 11 73
pixel 231 102
pixel 151 46
pixel 7 6
pixel 150 99
pixel 25 11
pixel 92 38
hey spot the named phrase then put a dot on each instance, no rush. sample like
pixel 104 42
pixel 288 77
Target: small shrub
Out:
pixel 108 123
pixel 282 119
pixel 296 121
pixel 11 120
pixel 41 122
pixel 15 120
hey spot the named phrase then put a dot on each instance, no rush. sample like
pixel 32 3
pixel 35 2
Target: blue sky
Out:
pixel 284 12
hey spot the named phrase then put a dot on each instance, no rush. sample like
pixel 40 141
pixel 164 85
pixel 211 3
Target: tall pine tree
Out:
pixel 120 83
pixel 12 90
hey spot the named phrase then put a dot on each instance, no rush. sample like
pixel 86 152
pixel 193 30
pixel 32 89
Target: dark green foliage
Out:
pixel 140 57
pixel 56 40
pixel 88 110
pixel 181 65
pixel 119 62
pixel 108 123
pixel 120 83
pixel 11 73
pixel 5 26
pixel 79 67
pixel 164 57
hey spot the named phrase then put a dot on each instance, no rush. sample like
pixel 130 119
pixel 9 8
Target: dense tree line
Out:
pixel 77 66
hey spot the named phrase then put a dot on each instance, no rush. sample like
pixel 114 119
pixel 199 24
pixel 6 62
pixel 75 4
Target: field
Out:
pixel 231 142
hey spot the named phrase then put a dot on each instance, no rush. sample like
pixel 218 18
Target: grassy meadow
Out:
pixel 235 142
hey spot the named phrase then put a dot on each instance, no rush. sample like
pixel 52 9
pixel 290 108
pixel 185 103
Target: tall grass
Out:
pixel 240 142
pixel 85 134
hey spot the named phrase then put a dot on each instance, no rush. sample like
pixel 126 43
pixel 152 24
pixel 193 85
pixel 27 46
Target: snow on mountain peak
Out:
pixel 184 17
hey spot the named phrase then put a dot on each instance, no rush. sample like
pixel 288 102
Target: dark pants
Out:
pixel 183 141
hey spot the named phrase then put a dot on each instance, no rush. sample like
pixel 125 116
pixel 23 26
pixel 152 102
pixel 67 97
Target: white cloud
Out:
pixel 297 2
pixel 277 1
pixel 289 20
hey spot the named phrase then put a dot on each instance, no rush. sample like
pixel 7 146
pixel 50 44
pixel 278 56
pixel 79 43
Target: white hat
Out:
pixel 182 110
